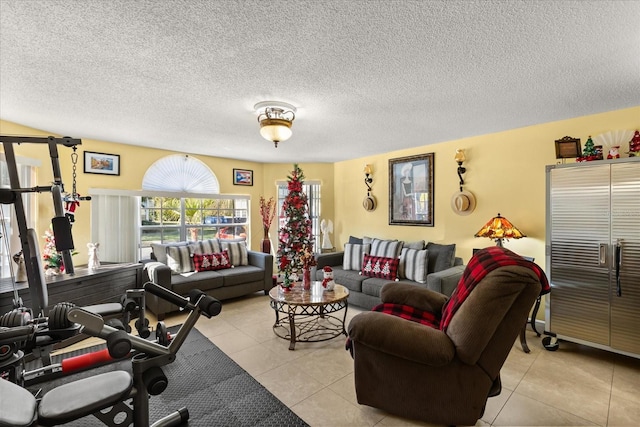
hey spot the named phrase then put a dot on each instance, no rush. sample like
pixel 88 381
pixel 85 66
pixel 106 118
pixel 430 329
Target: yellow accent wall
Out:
pixel 505 172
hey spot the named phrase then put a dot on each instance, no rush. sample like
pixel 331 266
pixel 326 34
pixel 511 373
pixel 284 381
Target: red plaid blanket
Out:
pixel 409 313
pixel 484 262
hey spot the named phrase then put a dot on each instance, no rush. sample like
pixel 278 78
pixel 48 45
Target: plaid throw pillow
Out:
pixel 381 267
pixel 209 262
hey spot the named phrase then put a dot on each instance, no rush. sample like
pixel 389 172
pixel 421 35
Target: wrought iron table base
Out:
pixel 309 323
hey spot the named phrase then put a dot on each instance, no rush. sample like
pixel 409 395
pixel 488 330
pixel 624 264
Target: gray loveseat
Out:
pixel 431 266
pixel 172 266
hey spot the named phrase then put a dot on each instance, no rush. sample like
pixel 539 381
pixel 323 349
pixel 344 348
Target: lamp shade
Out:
pixel 275 120
pixel 499 228
pixel 275 130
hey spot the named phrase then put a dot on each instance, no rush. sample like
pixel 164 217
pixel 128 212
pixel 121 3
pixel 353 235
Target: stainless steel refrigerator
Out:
pixel 593 253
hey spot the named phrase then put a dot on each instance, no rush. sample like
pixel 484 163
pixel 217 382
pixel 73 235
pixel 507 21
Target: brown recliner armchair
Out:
pixel 443 374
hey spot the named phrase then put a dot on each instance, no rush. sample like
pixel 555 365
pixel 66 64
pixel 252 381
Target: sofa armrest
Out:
pixel 414 296
pixel 264 262
pixel 401 338
pixel 445 281
pixel 158 273
pixel 331 259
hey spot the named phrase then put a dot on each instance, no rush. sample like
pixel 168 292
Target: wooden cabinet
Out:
pixel 84 287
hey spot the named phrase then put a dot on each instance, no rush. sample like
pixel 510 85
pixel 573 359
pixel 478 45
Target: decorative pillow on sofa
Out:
pixel 418 244
pixel 355 240
pixel 386 248
pixel 209 246
pixel 213 261
pixel 414 265
pixel 382 267
pixel 237 252
pixel 160 250
pixel 353 256
pixel 179 259
pixel 441 257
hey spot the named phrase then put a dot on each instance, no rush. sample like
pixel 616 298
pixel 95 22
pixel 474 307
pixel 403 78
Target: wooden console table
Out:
pixel 85 287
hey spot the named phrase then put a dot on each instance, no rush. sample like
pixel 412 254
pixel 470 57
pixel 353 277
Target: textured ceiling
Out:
pixel 367 76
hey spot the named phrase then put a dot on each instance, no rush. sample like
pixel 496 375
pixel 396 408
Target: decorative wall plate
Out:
pixel 613 138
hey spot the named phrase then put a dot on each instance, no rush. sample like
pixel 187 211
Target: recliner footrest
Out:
pixel 83 397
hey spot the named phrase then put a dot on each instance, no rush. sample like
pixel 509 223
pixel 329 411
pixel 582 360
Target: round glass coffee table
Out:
pixel 307 314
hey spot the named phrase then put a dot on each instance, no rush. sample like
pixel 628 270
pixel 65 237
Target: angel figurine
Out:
pixel 94 261
pixel 326 227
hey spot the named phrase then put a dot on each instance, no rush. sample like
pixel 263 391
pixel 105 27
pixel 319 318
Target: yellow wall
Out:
pixel 505 171
pixel 134 162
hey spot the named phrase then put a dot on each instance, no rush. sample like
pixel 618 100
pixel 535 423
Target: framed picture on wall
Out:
pixel 411 190
pixel 242 177
pixel 101 163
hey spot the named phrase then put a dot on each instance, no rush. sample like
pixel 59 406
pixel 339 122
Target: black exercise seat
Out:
pixel 104 310
pixel 83 397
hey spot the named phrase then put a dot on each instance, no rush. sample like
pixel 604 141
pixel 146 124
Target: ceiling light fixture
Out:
pixel 275 120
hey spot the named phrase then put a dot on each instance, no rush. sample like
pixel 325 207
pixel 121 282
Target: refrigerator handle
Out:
pixel 618 262
pixel 603 255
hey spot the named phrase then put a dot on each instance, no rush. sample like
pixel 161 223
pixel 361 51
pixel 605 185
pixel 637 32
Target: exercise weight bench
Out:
pixel 92 395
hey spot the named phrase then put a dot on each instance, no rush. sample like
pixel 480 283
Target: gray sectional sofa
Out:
pixel 432 266
pixel 171 266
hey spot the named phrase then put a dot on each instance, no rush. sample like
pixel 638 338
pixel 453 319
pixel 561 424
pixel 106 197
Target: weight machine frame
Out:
pixel 28 237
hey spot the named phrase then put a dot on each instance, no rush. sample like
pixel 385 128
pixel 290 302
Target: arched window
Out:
pixel 180 173
pixel 180 200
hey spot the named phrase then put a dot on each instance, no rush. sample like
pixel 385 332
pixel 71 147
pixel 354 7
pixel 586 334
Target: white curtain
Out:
pixel 114 224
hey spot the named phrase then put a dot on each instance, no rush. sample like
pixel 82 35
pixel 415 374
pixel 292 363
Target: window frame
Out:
pixel 313 190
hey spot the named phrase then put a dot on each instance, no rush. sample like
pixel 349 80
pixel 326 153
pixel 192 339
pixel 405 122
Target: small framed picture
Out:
pixel 242 177
pixel 568 148
pixel 101 163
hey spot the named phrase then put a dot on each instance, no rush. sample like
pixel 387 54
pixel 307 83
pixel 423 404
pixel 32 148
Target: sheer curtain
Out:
pixel 114 224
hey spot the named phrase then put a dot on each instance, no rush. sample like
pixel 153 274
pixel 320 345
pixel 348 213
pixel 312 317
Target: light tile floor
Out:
pixel 574 386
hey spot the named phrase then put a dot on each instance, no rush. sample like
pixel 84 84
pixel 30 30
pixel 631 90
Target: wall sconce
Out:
pixel 368 179
pixel 369 202
pixel 460 158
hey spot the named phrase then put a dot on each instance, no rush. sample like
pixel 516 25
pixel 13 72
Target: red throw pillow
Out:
pixel 384 268
pixel 208 262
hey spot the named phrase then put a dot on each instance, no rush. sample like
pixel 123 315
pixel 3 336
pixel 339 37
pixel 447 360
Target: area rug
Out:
pixel 215 390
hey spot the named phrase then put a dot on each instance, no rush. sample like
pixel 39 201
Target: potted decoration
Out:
pixel 268 212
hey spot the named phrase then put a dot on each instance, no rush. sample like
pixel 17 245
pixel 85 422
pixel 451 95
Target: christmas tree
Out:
pixel 589 149
pixel 52 258
pixel 295 242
